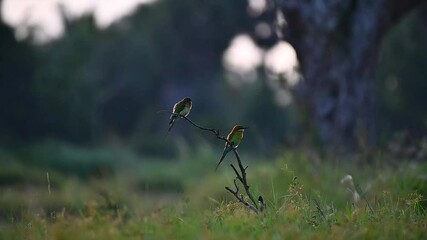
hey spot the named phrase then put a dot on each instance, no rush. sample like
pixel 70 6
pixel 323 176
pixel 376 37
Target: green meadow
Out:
pixel 110 193
pixel 331 92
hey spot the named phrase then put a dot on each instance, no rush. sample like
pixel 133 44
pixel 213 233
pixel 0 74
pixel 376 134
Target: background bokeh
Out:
pixel 328 88
pixel 69 74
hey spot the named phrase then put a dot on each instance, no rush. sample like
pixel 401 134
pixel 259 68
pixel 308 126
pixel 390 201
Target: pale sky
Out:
pixel 243 56
pixel 45 15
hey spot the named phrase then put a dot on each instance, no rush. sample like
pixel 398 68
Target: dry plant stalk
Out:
pixel 240 173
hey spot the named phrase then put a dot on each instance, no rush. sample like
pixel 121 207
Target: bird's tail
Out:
pixel 226 150
pixel 220 161
pixel 172 121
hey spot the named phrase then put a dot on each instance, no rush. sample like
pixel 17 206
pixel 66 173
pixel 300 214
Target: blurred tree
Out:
pixel 97 85
pixel 337 43
pixel 65 94
pixel 401 77
pixel 93 84
pixel 18 111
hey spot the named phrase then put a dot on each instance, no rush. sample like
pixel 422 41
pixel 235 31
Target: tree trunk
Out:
pixel 337 43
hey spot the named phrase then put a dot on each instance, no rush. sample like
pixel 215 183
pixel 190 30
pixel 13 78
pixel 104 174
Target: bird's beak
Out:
pixel 245 127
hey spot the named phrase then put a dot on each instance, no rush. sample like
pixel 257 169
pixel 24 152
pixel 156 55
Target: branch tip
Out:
pixel 240 175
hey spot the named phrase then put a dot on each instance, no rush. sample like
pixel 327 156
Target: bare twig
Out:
pixel 236 172
pixel 241 176
pixel 214 131
pixel 240 197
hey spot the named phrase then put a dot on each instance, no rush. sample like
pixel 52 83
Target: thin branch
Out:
pixel 240 176
pixel 243 178
pixel 215 131
pixel 240 197
pixel 237 173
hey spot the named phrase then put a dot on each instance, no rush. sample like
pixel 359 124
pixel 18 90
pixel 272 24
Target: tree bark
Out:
pixel 337 43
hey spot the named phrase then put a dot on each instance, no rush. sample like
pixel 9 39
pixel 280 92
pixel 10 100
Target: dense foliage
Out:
pixel 96 86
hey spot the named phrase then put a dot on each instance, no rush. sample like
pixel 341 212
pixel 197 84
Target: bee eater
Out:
pixel 180 109
pixel 234 137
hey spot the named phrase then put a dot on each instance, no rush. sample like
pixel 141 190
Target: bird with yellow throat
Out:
pixel 234 138
pixel 180 109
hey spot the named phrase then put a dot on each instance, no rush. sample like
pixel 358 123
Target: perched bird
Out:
pixel 180 109
pixel 234 137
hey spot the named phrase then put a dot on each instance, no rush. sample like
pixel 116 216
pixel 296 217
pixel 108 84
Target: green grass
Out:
pixel 186 199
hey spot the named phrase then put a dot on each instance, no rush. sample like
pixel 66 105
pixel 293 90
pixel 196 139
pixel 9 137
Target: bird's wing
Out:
pixel 236 138
pixel 173 111
pixel 178 107
pixel 229 136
